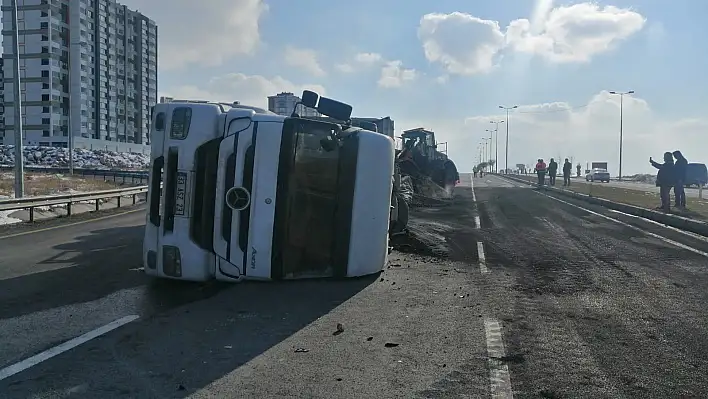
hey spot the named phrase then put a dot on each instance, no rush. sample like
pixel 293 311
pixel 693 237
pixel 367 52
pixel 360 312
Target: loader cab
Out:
pixel 420 140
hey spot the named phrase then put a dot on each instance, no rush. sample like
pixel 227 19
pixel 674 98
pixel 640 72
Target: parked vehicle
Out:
pixel 696 175
pixel 598 175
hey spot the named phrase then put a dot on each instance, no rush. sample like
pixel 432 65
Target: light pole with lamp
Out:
pixel 486 141
pixel 506 158
pixel 19 131
pixel 491 141
pixel 621 94
pixel 496 145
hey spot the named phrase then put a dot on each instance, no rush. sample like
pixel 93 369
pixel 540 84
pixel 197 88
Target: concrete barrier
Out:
pixel 679 222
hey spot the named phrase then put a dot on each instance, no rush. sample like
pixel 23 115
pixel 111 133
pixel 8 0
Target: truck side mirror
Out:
pixel 334 109
pixel 309 99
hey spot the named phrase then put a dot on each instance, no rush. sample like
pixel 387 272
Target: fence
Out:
pixel 118 176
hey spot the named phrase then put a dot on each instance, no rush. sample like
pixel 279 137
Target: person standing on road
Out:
pixel 552 172
pixel 578 168
pixel 665 180
pixel 567 167
pixel 680 168
pixel 540 170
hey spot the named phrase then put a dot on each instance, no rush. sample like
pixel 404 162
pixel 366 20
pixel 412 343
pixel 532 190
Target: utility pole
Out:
pixel 621 94
pixel 496 145
pixel 491 133
pixel 486 141
pixel 507 109
pixel 19 131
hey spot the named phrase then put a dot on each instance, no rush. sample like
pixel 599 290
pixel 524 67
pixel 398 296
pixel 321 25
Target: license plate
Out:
pixel 181 194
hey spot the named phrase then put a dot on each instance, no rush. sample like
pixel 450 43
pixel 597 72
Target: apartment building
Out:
pixel 2 103
pixel 284 103
pixel 88 68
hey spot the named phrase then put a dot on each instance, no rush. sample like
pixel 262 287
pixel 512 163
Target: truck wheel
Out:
pixel 399 225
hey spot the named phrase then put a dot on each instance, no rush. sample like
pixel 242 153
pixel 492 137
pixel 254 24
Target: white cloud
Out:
pixel 368 58
pixel 464 44
pixel 394 75
pixel 305 59
pixel 361 61
pixel 193 33
pixel 586 133
pixel 575 33
pixel 345 68
pixel 248 89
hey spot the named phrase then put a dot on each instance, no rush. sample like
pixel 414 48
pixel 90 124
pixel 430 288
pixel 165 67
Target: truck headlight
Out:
pixel 171 261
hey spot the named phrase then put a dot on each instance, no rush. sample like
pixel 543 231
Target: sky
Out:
pixel 448 65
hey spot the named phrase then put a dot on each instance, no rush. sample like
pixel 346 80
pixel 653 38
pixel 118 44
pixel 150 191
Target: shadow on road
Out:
pixel 178 352
pixel 89 268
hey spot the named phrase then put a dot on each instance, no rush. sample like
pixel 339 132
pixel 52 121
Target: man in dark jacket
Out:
pixel 567 167
pixel 680 169
pixel 665 180
pixel 552 171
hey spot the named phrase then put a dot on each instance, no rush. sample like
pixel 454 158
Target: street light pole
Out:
pixel 496 146
pixel 621 94
pixel 19 133
pixel 486 150
pixel 507 109
pixel 491 141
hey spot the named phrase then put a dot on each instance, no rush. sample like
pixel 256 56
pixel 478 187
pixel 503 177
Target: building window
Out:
pixel 46 121
pixel 45 97
pixel 45 133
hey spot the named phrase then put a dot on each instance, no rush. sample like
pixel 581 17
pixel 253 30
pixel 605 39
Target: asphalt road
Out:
pixel 587 307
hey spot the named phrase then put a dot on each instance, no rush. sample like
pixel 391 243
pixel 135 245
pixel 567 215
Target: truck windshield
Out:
pixel 311 201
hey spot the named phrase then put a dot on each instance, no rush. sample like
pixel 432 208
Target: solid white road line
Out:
pixel 59 349
pixel 498 371
pixel 686 233
pixel 477 222
pixel 482 258
pixel 474 197
pixel 635 228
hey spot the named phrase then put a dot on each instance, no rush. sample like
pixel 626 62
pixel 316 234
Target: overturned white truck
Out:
pixel 248 194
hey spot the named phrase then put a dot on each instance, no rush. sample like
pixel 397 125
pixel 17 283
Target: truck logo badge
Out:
pixel 238 198
pixel 268 201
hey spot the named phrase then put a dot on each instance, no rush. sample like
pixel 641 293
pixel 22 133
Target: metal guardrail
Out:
pixel 31 203
pixel 117 175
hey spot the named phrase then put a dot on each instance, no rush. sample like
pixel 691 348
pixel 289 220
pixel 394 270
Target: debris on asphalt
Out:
pixel 340 329
pixel 301 350
pixel 390 345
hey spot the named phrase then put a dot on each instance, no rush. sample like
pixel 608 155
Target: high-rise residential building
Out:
pixel 88 67
pixel 2 103
pixel 284 103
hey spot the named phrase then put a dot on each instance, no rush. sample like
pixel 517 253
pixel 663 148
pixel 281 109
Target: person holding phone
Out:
pixel 665 180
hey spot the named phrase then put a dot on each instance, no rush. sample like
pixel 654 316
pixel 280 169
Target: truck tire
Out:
pixel 398 226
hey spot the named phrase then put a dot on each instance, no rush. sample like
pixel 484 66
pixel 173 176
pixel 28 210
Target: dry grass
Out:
pixel 38 184
pixel 697 208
